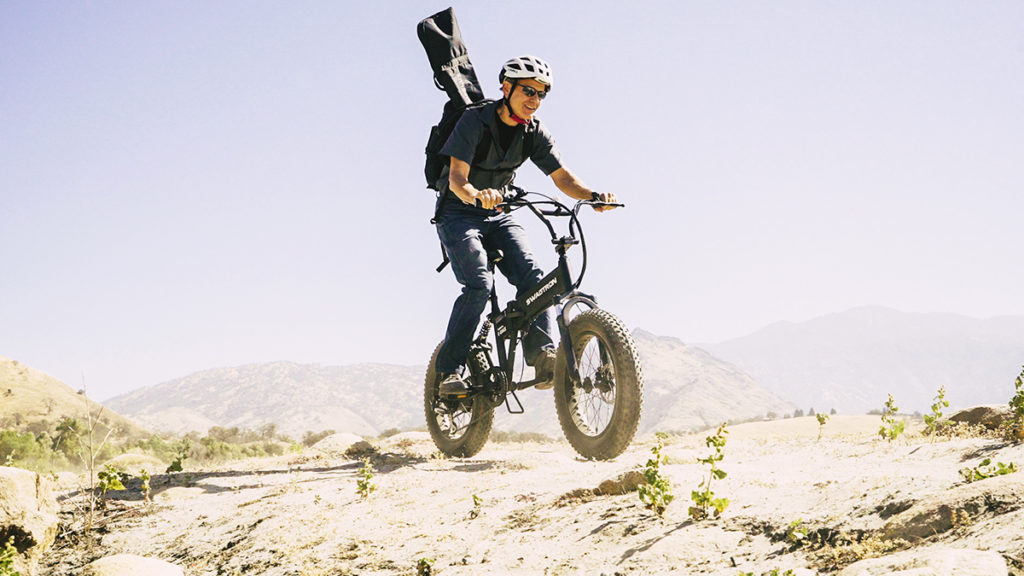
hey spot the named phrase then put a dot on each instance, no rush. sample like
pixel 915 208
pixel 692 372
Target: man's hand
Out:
pixel 605 197
pixel 488 198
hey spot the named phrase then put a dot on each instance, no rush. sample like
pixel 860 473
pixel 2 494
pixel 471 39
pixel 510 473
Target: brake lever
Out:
pixel 595 200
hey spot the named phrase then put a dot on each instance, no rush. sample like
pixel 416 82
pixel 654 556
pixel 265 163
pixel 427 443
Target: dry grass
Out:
pixel 30 397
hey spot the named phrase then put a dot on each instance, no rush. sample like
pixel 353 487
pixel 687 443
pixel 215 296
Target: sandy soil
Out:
pixel 529 508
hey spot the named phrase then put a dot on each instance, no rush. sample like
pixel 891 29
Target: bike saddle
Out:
pixel 494 256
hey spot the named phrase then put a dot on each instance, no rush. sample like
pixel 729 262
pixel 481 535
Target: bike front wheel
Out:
pixel 600 414
pixel 459 428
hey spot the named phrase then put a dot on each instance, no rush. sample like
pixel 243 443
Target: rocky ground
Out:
pixel 797 503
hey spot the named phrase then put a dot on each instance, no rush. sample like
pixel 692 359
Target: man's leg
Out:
pixel 522 271
pixel 463 241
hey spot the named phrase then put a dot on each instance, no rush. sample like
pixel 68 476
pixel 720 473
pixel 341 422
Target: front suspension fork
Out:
pixel 567 344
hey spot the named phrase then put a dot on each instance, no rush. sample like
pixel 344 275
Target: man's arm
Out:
pixel 458 182
pixel 573 187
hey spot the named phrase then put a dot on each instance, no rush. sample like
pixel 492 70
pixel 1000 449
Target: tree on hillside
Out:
pixel 68 438
pixel 268 431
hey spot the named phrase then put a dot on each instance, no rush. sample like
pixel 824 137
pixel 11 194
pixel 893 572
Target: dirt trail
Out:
pixel 527 509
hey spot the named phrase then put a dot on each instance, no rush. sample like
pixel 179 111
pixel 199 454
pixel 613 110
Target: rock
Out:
pixel 991 416
pixel 28 512
pixel 960 505
pixel 931 562
pixel 131 565
pixel 411 444
pixel 625 483
pixel 342 444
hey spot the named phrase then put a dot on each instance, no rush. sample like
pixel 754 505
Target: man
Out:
pixel 486 147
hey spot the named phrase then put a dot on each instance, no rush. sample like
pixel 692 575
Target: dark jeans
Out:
pixel 467 237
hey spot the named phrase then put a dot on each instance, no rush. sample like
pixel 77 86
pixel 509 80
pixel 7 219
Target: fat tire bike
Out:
pixel 598 381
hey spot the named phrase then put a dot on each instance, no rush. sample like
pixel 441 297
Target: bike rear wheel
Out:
pixel 600 415
pixel 459 428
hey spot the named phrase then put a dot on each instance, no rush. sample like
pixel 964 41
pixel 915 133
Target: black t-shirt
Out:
pixel 505 133
pixel 492 163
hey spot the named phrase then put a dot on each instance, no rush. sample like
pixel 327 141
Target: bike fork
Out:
pixel 567 344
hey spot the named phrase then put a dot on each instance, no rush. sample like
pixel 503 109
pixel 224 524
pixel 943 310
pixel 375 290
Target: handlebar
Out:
pixel 518 199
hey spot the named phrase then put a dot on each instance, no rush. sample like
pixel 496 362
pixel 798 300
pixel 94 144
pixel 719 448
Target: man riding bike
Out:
pixel 486 147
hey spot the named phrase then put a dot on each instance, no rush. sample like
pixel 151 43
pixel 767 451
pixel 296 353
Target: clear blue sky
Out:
pixel 187 185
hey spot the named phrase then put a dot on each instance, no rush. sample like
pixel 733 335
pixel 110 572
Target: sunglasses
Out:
pixel 531 92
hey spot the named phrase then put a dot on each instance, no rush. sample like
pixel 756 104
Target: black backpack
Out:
pixel 454 74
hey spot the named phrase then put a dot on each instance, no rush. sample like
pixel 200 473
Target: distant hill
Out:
pixel 363 399
pixel 33 400
pixel 686 388
pixel 853 360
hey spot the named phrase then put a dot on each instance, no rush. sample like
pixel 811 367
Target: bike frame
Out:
pixel 557 289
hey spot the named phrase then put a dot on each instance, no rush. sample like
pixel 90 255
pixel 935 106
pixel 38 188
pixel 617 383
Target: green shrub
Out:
pixel 509 437
pixel 986 470
pixel 424 567
pixel 656 494
pixel 822 419
pixel 1016 428
pixel 310 438
pixel 891 427
pixel 703 497
pixel 7 556
pixel 364 486
pixel 932 420
pixel 109 479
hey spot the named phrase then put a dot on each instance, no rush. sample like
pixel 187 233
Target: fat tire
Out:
pixel 475 436
pixel 628 380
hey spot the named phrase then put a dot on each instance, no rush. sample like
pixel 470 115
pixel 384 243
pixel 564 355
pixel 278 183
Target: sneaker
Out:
pixel 453 385
pixel 544 368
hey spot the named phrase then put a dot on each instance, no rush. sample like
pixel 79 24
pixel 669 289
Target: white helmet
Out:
pixel 527 67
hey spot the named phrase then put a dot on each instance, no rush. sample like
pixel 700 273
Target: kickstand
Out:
pixel 508 406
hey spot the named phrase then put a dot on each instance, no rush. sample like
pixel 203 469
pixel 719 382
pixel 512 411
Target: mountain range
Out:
pixel 852 361
pixel 685 388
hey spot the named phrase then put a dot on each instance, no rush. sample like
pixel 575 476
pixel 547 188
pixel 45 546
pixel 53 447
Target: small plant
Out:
pixel 772 572
pixel 7 556
pixel 703 498
pixel 656 494
pixel 425 567
pixel 364 486
pixel 822 419
pixel 987 470
pixel 109 479
pixel 477 503
pixel 145 478
pixel 1017 404
pixel 797 533
pixel 179 458
pixel 891 427
pixel 932 420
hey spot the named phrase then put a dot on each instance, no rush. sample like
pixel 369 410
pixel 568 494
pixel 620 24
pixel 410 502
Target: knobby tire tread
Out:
pixel 476 434
pixel 625 418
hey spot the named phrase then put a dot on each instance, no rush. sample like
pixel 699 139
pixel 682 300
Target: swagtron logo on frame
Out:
pixel 551 284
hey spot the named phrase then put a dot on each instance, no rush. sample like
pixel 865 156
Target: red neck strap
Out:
pixel 508 106
pixel 515 118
